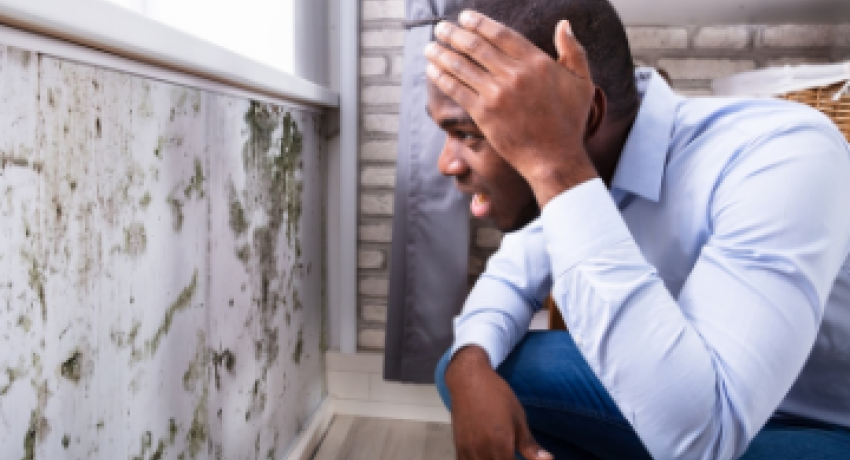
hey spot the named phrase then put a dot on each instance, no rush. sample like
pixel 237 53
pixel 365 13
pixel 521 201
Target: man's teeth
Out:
pixel 480 198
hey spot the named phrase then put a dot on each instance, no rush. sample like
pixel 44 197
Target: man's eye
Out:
pixel 465 136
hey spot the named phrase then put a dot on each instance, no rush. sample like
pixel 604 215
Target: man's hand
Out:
pixel 535 112
pixel 488 420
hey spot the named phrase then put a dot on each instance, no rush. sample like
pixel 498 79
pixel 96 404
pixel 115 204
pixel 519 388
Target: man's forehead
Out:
pixel 438 100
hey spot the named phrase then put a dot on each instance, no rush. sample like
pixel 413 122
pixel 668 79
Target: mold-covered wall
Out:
pixel 160 268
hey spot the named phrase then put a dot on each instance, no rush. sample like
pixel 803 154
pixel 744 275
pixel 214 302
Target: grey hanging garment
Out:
pixel 430 247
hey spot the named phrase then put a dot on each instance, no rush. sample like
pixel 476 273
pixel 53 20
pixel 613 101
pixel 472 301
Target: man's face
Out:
pixel 499 192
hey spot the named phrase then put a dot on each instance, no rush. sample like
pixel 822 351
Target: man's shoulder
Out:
pixel 747 119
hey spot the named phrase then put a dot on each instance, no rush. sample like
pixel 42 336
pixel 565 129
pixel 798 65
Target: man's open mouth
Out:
pixel 480 205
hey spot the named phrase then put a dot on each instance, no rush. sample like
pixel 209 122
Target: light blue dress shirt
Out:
pixel 710 287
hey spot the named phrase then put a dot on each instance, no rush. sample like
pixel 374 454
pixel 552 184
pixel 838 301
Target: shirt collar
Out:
pixel 640 170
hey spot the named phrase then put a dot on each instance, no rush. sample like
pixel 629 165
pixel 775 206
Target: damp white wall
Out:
pixel 161 275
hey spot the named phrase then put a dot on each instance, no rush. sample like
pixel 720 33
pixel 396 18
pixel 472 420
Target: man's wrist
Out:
pixel 467 362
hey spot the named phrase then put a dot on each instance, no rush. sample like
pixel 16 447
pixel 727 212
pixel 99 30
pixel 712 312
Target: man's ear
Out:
pixel 598 109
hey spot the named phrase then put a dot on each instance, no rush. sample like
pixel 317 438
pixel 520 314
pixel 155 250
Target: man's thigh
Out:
pixel 564 400
pixel 783 439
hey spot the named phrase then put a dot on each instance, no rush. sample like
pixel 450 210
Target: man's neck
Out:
pixel 606 147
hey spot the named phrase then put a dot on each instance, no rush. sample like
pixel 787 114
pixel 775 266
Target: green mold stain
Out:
pixel 159 452
pixel 238 222
pixel 196 183
pixel 172 430
pixel 176 213
pixel 36 282
pixel 196 437
pixel 160 145
pixel 182 302
pixel 71 369
pixel 145 201
pixel 287 164
pixel 299 347
pixel 244 253
pixel 66 441
pixel 195 371
pixel 24 323
pixel 30 436
pixel 135 239
pixel 296 301
pixel 12 374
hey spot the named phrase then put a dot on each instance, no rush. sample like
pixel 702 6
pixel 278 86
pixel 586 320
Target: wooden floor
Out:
pixel 361 438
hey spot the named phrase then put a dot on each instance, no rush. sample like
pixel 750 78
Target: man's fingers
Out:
pixel 503 38
pixel 570 52
pixel 530 450
pixel 473 45
pixel 451 87
pixel 466 71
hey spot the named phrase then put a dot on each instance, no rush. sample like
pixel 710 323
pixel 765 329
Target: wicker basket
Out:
pixel 822 98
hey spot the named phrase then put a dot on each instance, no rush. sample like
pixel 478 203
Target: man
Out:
pixel 697 249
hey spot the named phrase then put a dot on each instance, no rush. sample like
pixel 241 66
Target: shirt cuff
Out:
pixel 579 223
pixel 485 323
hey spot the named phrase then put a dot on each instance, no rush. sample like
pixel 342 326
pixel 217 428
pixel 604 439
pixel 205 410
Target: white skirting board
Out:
pixel 356 387
pixel 305 447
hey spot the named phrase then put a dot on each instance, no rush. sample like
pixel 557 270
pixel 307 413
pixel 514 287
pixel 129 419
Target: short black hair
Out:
pixel 596 25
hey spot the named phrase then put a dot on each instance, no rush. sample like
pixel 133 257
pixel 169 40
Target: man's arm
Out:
pixel 698 376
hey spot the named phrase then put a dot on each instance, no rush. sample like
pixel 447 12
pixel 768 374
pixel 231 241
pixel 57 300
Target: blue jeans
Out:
pixel 572 416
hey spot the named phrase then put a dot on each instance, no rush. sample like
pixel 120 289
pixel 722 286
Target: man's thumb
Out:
pixel 530 450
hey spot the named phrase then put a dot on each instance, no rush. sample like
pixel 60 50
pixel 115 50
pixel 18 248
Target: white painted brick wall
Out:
pixel 382 38
pixel 657 37
pixel 398 65
pixel 734 37
pixel 377 177
pixel 370 259
pixel 371 338
pixel 374 287
pixel 697 69
pixel 383 9
pixel 380 122
pixel 377 203
pixel 381 94
pixel 375 313
pixel 793 36
pixel 379 151
pixel 376 233
pixel 373 65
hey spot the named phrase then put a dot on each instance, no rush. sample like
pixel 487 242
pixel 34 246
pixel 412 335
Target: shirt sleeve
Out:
pixel 697 376
pixel 498 311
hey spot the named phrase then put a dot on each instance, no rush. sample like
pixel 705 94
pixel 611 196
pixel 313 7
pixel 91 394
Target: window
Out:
pixel 258 29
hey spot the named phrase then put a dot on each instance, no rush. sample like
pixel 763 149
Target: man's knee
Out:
pixel 440 379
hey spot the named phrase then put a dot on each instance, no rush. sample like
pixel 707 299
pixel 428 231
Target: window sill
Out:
pixel 116 30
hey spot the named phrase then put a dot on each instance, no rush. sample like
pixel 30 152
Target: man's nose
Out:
pixel 451 163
